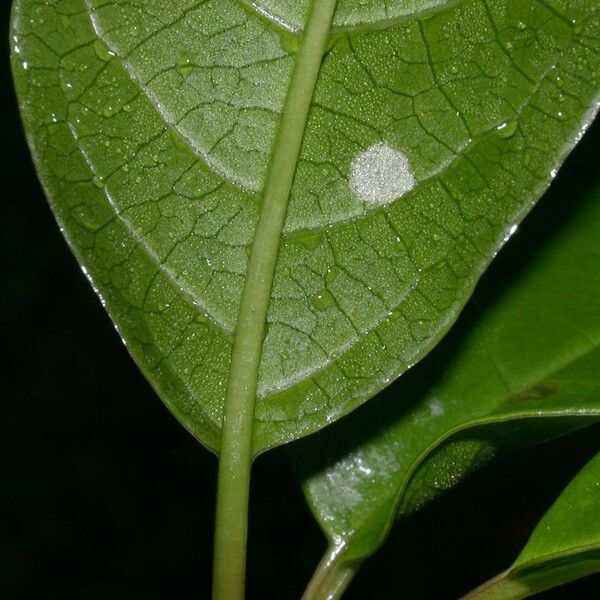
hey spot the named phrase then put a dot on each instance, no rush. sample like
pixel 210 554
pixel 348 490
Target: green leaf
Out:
pixel 564 546
pixel 523 367
pixel 433 128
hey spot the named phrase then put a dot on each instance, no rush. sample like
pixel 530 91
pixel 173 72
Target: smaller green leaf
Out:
pixel 521 367
pixel 564 546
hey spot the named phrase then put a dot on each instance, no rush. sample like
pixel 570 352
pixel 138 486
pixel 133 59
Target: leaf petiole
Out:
pixel 331 578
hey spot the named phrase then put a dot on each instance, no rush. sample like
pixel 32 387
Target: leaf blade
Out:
pixel 564 546
pixel 158 192
pixel 462 413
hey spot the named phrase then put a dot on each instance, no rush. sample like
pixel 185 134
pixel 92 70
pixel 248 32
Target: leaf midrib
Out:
pixel 581 550
pixel 280 24
pixel 251 325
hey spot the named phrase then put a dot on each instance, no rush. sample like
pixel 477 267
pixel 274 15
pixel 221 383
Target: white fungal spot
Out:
pixel 380 175
pixel 436 408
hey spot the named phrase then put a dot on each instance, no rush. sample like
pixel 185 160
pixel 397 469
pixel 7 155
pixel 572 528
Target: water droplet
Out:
pixel 98 182
pixel 380 175
pixel 331 275
pixel 507 130
pixel 322 300
pixel 526 158
pixel 185 65
pixel 65 85
pixel 102 52
pixel 521 25
pixel 309 240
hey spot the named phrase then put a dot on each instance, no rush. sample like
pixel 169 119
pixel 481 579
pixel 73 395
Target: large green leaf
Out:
pixel 564 546
pixel 433 128
pixel 523 367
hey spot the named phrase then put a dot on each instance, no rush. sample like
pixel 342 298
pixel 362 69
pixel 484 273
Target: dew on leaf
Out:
pixel 185 65
pixel 322 300
pixel 309 240
pixel 507 130
pixel 102 52
pixel 86 217
pixel 65 86
pixel 331 275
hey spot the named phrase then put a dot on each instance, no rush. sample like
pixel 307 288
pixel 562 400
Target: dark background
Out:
pixel 104 495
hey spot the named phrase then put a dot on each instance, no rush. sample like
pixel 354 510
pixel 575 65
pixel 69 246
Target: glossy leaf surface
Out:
pixel 564 546
pixel 433 129
pixel 523 367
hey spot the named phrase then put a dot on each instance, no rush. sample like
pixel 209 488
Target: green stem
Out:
pixel 236 443
pixel 331 577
